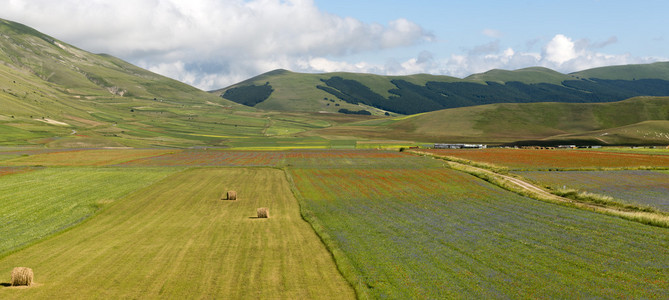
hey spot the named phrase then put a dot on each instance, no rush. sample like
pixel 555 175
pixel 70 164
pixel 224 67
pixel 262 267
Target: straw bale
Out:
pixel 230 195
pixel 22 276
pixel 263 212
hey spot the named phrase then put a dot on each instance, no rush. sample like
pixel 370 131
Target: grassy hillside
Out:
pixel 527 75
pixel 658 70
pixel 55 95
pixel 640 120
pixel 423 93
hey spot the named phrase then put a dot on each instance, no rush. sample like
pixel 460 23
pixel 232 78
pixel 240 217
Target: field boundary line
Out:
pixel 342 261
pixel 525 188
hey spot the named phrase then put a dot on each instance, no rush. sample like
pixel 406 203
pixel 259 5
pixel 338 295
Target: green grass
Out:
pixel 177 239
pixel 406 234
pixel 639 120
pixel 657 70
pixel 43 202
pixel 527 75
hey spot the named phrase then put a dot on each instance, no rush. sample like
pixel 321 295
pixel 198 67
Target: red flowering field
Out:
pixel 555 158
pixel 96 157
pixel 13 170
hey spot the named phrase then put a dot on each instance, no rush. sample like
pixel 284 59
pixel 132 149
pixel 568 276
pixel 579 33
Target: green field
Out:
pixel 437 233
pixel 42 202
pixel 379 224
pixel 176 239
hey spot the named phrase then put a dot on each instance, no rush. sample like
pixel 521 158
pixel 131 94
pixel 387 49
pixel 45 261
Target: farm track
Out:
pixel 176 239
pixel 524 187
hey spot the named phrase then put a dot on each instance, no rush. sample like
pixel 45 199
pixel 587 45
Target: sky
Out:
pixel 212 44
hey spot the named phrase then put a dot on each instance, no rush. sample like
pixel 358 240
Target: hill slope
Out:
pixel 642 120
pixel 283 90
pixel 55 94
pixel 59 96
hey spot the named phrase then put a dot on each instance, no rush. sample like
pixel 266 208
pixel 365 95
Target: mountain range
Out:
pixel 284 90
pixel 53 94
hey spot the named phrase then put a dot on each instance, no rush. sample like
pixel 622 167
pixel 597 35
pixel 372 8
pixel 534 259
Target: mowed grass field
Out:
pixel 176 240
pixel 41 202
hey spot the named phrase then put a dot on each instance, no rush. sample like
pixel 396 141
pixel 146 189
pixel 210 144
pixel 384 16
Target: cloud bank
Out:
pixel 214 43
pixel 560 53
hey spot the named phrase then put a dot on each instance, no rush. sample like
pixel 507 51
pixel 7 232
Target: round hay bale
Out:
pixel 232 195
pixel 22 276
pixel 263 212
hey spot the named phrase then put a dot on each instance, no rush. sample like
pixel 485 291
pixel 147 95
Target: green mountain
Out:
pixel 53 94
pixel 57 95
pixel 288 91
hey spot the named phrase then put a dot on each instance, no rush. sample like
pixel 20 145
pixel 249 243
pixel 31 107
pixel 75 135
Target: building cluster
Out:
pixel 460 146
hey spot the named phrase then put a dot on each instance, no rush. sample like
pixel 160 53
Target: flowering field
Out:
pixel 648 188
pixel 101 157
pixel 210 158
pixel 556 158
pixel 303 158
pixel 368 159
pixel 13 170
pixel 438 233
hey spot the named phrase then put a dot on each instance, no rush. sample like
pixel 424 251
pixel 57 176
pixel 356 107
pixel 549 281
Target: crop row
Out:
pixel 557 158
pixel 438 233
pixel 646 188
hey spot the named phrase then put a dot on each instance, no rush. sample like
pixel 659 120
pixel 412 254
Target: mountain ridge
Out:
pixel 56 95
pixel 419 93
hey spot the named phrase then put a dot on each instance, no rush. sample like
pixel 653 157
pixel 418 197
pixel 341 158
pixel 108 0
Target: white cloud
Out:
pixel 560 50
pixel 197 41
pixel 560 53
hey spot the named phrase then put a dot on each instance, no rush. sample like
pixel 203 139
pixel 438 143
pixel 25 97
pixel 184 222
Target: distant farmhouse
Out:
pixel 460 146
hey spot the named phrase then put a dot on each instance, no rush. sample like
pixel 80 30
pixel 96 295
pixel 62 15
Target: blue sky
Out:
pixel 214 43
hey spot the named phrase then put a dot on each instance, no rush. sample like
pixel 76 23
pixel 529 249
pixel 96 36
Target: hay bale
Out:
pixel 231 195
pixel 263 212
pixel 22 276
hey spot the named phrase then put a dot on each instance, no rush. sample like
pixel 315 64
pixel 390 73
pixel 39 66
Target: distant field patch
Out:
pixel 43 202
pixel 647 188
pixel 177 240
pixel 13 170
pixel 211 158
pixel 558 158
pixel 87 157
pixel 357 159
pixel 438 233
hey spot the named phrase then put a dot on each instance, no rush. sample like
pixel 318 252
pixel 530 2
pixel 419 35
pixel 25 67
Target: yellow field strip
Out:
pixel 178 240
